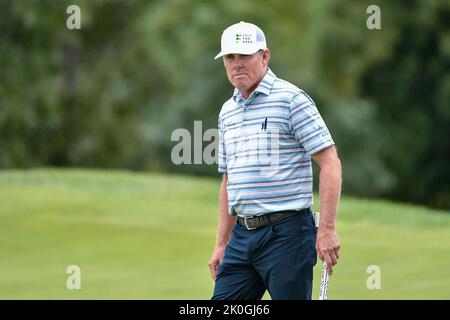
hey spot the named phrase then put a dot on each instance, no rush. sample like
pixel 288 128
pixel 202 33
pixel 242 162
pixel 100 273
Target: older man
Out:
pixel 268 132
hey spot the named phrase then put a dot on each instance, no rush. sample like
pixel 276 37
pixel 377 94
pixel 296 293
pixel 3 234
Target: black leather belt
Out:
pixel 261 220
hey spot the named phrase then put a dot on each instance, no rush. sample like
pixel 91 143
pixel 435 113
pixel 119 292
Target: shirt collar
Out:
pixel 264 86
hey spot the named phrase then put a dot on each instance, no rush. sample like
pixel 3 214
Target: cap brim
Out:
pixel 223 53
pixel 220 54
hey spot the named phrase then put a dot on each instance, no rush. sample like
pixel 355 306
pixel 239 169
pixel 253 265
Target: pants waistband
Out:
pixel 261 220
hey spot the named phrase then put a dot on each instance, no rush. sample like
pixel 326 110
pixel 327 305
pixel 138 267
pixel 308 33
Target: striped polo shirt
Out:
pixel 265 147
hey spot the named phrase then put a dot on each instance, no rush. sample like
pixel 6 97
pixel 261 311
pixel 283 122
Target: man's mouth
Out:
pixel 239 74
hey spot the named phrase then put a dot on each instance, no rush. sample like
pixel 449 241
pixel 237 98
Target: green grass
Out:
pixel 150 236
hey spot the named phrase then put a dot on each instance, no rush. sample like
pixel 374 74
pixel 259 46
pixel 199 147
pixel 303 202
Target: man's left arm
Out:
pixel 328 243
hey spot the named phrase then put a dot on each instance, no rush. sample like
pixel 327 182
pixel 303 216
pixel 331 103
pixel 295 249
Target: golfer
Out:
pixel 268 132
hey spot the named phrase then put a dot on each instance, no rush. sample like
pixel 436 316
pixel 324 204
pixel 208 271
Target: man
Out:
pixel 268 132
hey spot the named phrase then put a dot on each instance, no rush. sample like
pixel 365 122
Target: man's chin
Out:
pixel 241 88
pixel 241 85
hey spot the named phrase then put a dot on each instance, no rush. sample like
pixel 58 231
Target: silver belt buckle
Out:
pixel 246 225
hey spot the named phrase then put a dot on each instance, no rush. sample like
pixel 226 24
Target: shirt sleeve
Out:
pixel 308 126
pixel 222 152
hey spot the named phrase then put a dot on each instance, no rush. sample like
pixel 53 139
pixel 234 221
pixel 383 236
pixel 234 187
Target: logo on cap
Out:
pixel 243 38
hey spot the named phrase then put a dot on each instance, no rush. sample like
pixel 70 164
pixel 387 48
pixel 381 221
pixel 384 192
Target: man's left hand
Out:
pixel 328 245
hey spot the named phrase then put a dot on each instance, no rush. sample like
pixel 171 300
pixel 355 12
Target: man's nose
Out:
pixel 237 62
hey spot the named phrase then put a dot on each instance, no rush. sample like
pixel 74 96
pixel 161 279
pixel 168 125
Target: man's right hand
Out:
pixel 215 260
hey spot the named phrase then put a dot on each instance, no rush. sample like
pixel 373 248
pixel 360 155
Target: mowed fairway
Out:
pixel 150 236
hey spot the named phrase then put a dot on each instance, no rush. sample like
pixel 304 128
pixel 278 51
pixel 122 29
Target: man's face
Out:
pixel 246 71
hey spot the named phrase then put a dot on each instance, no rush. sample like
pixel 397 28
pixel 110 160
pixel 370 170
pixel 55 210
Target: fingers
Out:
pixel 330 268
pixel 214 273
pixel 215 261
pixel 213 269
pixel 330 258
pixel 328 246
pixel 329 263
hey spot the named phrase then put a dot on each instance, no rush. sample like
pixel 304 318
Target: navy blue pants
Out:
pixel 278 257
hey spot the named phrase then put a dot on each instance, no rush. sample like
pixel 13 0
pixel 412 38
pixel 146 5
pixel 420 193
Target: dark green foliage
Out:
pixel 111 94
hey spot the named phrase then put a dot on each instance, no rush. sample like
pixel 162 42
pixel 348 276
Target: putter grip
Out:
pixel 323 293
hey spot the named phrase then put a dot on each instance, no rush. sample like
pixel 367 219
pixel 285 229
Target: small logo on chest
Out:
pixel 264 125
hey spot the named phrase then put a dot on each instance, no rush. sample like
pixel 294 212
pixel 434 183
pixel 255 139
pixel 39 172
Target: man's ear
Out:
pixel 266 57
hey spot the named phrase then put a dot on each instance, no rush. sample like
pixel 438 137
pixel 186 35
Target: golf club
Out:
pixel 323 292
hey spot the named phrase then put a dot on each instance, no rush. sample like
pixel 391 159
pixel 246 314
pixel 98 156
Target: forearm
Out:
pixel 328 243
pixel 329 192
pixel 226 222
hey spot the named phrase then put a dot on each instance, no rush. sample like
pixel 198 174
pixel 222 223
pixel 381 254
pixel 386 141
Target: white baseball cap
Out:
pixel 242 38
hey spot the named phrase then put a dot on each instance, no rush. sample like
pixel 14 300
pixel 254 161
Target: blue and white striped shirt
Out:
pixel 265 147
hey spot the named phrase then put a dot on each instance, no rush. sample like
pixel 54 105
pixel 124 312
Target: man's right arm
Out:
pixel 226 224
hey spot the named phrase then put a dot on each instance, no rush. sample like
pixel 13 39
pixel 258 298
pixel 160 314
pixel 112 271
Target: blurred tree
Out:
pixel 111 94
pixel 411 89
